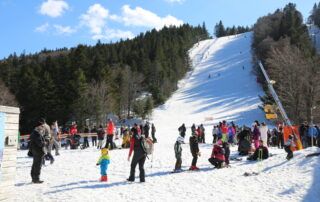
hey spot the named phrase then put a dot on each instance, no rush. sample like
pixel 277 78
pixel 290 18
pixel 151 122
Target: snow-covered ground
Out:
pixel 230 94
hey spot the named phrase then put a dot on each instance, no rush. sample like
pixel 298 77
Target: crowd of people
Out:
pixel 44 139
pixel 251 141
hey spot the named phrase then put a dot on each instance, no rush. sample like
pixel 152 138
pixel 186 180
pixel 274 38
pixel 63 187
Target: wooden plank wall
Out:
pixel 8 164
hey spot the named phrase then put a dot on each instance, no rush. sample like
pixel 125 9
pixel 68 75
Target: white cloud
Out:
pixel 53 8
pixel 95 18
pixel 42 28
pixel 114 34
pixel 145 18
pixel 175 1
pixel 64 30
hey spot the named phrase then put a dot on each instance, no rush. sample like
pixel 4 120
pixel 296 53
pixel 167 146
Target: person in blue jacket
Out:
pixel 104 161
pixel 312 135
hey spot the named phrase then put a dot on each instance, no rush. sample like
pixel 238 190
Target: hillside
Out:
pixel 230 94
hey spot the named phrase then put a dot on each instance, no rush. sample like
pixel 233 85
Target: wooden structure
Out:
pixel 9 129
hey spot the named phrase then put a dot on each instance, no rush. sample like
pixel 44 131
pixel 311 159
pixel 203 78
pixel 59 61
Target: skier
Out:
pixel 217 155
pixel 139 156
pixel 110 133
pixel 264 133
pixel 256 134
pixel 214 134
pixel 153 133
pixel 85 138
pixel 100 134
pixel 104 161
pixel 94 137
pixel 194 148
pixel 178 154
pixel 288 147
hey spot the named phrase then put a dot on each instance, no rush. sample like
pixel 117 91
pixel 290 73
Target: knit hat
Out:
pixel 104 151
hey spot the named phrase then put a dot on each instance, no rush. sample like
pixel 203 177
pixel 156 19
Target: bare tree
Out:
pixel 296 77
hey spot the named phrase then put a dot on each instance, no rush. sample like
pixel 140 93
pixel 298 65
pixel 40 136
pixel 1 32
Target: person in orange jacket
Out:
pixel 110 133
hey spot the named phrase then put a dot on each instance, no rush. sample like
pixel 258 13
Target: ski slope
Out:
pixel 230 94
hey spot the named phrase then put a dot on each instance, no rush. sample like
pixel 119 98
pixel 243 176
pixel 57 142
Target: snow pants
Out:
pixel 288 150
pixel 109 141
pixel 138 158
pixel 178 164
pixel 36 167
pixel 194 160
pixel 215 162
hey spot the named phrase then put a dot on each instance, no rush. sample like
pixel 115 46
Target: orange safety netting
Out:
pixel 287 130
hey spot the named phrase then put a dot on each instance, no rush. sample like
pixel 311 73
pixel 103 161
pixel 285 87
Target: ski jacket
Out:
pixel 312 131
pixel 104 161
pixel 224 129
pixel 194 146
pixel 73 130
pixel 135 143
pixel 100 133
pixel 110 128
pixel 256 133
pixel 37 141
pixel 218 152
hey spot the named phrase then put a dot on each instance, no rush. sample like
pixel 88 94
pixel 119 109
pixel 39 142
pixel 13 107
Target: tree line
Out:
pixel 91 81
pixel 282 42
pixel 220 30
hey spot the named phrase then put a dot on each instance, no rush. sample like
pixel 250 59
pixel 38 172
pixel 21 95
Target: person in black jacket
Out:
pixel 139 156
pixel 153 133
pixel 37 144
pixel 194 148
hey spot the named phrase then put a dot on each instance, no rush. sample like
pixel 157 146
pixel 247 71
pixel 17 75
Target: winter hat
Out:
pixel 180 139
pixel 104 151
pixel 290 137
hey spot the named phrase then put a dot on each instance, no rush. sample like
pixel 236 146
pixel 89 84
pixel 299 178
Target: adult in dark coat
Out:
pixel 139 156
pixel 146 129
pixel 194 148
pixel 37 147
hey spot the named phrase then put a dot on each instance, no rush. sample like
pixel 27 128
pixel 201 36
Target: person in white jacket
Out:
pixel 264 134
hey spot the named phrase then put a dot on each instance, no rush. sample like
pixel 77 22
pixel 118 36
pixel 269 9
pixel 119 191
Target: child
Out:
pixel 104 161
pixel 287 147
pixel 178 153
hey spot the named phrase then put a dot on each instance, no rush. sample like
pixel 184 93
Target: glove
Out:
pixel 199 153
pixel 97 164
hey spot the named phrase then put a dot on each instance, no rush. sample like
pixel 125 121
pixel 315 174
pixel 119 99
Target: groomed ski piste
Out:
pixel 231 93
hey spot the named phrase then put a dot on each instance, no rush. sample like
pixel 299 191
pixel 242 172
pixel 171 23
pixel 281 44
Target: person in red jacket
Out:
pixel 217 156
pixel 110 133
pixel 139 156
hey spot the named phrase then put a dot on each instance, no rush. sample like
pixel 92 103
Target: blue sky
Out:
pixel 32 25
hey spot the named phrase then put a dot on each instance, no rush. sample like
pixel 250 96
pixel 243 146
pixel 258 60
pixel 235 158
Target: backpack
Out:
pixel 147 145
